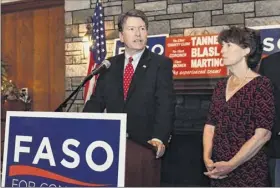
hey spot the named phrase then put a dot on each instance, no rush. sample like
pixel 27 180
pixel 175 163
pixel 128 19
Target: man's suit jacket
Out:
pixel 270 67
pixel 150 102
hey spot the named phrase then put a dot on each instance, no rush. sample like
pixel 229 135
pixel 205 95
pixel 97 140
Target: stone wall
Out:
pixel 173 17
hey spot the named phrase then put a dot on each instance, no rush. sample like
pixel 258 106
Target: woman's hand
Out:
pixel 209 164
pixel 220 170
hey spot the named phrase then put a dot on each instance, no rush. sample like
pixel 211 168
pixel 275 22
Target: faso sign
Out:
pixel 155 43
pixel 50 149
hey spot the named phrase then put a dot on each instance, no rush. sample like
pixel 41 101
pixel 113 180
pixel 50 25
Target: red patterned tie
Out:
pixel 127 77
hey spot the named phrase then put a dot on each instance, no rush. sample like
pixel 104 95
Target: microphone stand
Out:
pixel 64 103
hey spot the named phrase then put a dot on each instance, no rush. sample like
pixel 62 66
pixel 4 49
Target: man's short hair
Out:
pixel 132 13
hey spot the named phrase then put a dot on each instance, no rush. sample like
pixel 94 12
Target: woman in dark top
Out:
pixel 240 117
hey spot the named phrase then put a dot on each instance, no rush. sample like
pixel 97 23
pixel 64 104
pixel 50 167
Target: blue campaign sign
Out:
pixel 50 149
pixel 271 38
pixel 156 43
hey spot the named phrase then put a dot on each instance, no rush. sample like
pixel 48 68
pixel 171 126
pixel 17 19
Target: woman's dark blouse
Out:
pixel 235 123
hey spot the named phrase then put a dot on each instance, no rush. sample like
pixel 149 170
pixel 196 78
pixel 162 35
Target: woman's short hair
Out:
pixel 244 37
pixel 132 13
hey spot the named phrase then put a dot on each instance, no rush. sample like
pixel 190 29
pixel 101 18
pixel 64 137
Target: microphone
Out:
pixel 104 65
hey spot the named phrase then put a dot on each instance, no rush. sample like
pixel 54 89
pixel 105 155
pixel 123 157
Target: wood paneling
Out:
pixel 41 60
pixel 24 47
pixel 23 5
pixel 8 43
pixel 33 46
pixel 56 61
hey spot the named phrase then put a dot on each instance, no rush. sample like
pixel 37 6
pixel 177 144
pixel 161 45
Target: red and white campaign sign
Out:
pixel 195 57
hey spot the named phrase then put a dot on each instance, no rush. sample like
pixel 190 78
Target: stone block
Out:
pixel 154 13
pixel 217 12
pixel 109 47
pixel 79 102
pixel 76 70
pixel 176 32
pixel 68 18
pixel 228 19
pixel 71 31
pixel 77 52
pixel 127 5
pixel 73 46
pixel 249 14
pixel 173 9
pixel 74 108
pixel 202 6
pixel 81 16
pixel 178 1
pixel 176 35
pixel 182 23
pixel 239 7
pixel 151 6
pixel 68 86
pixel 93 6
pixel 112 34
pixel 110 11
pixel 268 8
pixel 202 19
pixel 109 18
pixel 68 60
pixel 174 16
pixel 71 5
pixel 82 28
pixel 109 25
pixel 76 81
pixel 140 1
pixel 68 40
pixel 230 1
pixel 250 22
pixel 204 30
pixel 159 27
pixel 111 4
pixel 77 59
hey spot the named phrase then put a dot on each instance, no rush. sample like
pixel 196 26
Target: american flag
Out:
pixel 98 52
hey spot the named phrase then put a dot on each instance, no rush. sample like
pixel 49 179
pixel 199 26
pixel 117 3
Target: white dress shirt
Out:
pixel 136 58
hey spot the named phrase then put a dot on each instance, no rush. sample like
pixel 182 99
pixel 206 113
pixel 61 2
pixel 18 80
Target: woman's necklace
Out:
pixel 231 93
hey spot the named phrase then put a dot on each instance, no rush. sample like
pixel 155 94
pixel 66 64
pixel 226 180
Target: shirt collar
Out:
pixel 136 57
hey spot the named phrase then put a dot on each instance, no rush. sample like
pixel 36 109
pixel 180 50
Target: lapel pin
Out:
pixel 144 66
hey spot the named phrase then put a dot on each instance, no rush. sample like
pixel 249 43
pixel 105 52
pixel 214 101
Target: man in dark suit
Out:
pixel 270 67
pixel 139 83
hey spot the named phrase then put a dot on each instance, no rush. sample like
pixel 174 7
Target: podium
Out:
pixel 142 169
pixel 57 149
pixel 101 153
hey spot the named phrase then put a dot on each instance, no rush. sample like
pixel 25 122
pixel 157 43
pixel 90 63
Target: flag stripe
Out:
pixel 98 52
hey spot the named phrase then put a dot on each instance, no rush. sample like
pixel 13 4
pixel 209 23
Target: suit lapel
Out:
pixel 139 72
pixel 119 74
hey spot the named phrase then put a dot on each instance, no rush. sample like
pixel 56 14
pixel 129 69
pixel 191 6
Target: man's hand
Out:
pixel 160 147
pixel 221 170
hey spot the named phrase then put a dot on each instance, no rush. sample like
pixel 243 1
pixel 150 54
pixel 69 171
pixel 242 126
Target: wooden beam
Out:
pixel 29 5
